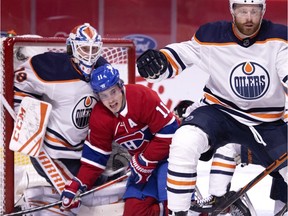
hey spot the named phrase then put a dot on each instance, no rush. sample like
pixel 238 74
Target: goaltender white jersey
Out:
pixel 248 78
pixel 53 78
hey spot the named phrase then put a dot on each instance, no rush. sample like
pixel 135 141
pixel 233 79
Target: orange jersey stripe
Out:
pixel 171 61
pixel 223 165
pixel 213 99
pixel 272 115
pixel 21 94
pixel 181 183
pixel 52 139
pixel 259 115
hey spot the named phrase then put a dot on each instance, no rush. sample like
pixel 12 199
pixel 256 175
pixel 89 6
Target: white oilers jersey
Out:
pixel 52 77
pixel 248 78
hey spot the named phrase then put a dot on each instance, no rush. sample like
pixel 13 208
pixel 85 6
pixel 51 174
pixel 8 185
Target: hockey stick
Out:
pixel 217 209
pixel 245 199
pixel 107 184
pixel 282 211
pixel 198 192
pixel 223 205
pixel 7 106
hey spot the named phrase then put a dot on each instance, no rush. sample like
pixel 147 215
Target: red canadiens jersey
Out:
pixel 144 125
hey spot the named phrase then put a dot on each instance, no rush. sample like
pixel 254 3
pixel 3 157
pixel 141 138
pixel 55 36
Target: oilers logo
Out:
pixel 249 80
pixel 82 111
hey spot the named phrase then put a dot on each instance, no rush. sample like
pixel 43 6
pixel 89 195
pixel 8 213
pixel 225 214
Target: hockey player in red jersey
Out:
pixel 62 79
pixel 244 97
pixel 135 118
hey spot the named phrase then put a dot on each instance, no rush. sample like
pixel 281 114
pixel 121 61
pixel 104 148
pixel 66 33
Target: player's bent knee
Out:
pixel 230 150
pixel 190 137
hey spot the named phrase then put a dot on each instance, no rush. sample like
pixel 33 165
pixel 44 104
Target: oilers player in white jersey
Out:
pixel 244 97
pixel 62 79
pixel 135 118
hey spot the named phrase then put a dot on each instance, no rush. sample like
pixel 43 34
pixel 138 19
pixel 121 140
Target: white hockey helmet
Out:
pixel 256 2
pixel 85 45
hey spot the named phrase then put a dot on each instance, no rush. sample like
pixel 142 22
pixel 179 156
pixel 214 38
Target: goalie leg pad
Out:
pixel 40 196
pixel 108 195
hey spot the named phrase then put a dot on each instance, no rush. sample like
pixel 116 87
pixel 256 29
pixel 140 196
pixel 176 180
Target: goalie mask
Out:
pixel 105 77
pixel 85 45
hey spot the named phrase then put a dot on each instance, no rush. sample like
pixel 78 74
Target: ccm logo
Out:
pixel 19 124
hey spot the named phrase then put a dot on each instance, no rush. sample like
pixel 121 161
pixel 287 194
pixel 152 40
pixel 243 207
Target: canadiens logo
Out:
pixel 82 111
pixel 135 140
pixel 249 80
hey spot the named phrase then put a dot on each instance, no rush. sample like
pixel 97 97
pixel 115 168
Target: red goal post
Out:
pixel 120 53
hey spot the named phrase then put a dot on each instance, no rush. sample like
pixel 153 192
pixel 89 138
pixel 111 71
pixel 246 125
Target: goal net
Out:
pixel 16 171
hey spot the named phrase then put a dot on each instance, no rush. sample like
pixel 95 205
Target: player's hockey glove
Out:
pixel 151 64
pixel 141 168
pixel 70 194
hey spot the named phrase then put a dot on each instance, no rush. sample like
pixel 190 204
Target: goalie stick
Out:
pixel 218 208
pixel 7 106
pixel 107 184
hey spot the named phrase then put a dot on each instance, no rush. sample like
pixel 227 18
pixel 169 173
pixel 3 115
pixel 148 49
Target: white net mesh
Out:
pixel 120 53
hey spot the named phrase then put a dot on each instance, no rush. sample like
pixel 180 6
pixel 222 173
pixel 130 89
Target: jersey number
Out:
pixel 163 110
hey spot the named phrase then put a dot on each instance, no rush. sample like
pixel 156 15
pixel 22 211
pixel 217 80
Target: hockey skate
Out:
pixel 181 213
pixel 205 206
pixel 283 211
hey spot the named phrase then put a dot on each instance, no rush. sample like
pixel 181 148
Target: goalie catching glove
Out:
pixel 70 194
pixel 151 64
pixel 141 168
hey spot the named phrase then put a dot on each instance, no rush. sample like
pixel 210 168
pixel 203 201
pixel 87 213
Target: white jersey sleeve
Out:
pixel 244 85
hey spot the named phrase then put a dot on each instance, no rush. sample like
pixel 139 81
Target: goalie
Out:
pixel 62 79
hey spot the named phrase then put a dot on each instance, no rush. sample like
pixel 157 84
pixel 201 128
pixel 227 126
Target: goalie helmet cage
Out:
pixel 116 51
